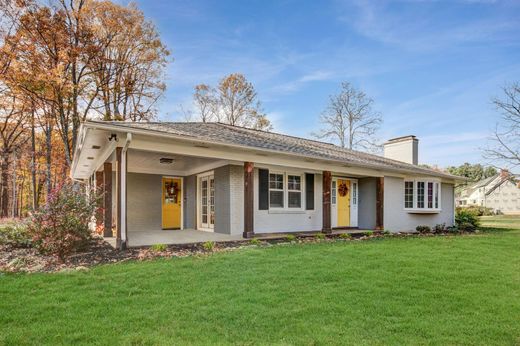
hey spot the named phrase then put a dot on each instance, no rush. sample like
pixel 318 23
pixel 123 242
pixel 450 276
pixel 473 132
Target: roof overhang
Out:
pixel 95 147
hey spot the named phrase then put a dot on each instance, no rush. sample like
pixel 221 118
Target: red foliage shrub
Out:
pixel 62 225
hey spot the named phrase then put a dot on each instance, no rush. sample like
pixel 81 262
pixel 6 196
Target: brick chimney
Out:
pixel 405 149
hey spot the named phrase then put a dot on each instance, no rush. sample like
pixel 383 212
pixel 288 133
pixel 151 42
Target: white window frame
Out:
pixel 436 193
pixel 286 191
pixel 282 190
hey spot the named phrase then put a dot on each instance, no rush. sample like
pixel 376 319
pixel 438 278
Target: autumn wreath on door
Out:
pixel 342 189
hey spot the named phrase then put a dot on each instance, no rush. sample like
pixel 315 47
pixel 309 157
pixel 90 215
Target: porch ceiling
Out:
pixel 141 161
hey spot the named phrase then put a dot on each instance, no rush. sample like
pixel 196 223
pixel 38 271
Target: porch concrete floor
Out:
pixel 171 237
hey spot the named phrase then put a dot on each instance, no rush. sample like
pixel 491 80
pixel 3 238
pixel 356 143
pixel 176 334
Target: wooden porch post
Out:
pixel 99 210
pixel 107 197
pixel 380 197
pixel 249 231
pixel 327 180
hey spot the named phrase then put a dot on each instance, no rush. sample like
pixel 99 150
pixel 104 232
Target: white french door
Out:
pixel 207 202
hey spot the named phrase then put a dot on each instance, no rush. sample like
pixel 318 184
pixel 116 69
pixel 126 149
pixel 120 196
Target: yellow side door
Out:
pixel 343 202
pixel 171 203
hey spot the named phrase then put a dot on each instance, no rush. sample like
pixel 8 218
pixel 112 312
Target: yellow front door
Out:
pixel 343 202
pixel 171 203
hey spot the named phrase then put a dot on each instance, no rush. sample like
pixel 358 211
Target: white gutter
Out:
pixel 123 188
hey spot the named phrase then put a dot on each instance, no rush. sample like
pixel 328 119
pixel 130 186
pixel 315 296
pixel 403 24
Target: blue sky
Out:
pixel 432 67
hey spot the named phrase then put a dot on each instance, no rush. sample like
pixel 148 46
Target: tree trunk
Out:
pixel 4 208
pixel 35 193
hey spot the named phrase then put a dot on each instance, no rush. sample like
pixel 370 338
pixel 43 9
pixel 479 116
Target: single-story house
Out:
pixel 164 181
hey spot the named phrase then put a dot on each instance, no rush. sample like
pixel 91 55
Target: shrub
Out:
pixel 477 210
pixel 61 226
pixel 255 241
pixel 159 247
pixel 387 232
pixel 290 237
pixel 439 228
pixel 369 233
pixel 319 236
pixel 15 234
pixel 345 235
pixel 209 246
pixel 466 220
pixel 423 229
pixel 452 229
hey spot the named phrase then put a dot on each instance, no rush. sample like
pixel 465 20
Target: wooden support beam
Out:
pixel 107 199
pixel 249 231
pixel 99 209
pixel 327 182
pixel 380 197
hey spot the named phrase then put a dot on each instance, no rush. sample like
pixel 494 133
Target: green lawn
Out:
pixel 436 290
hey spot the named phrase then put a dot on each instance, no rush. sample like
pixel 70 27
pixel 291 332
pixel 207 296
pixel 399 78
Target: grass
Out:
pixel 430 290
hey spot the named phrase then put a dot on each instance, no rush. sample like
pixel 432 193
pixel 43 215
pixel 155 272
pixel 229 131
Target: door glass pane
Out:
pixel 354 193
pixel 333 193
pixel 212 201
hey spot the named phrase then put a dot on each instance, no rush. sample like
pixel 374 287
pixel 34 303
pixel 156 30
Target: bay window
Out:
pixel 422 195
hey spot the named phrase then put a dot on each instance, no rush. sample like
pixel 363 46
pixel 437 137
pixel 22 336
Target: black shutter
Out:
pixel 309 191
pixel 263 189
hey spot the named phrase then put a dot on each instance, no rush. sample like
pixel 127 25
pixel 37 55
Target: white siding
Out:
pixel 397 219
pixel 266 221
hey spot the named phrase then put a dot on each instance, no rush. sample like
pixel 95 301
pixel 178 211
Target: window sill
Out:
pixel 285 211
pixel 423 211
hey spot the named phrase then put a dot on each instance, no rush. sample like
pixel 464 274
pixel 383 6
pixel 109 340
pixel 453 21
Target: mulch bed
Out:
pixel 29 260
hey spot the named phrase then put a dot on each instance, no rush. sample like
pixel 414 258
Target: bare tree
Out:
pixel 350 119
pixel 206 103
pixel 505 141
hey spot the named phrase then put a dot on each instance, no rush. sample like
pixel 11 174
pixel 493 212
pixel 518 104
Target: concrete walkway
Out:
pixel 186 236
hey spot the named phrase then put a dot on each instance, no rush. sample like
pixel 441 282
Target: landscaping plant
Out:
pixel 61 227
pixel 159 247
pixel 466 220
pixel 209 246
pixel 15 234
pixel 423 229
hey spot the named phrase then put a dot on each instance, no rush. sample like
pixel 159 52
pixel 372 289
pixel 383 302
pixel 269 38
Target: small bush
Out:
pixel 255 241
pixel 209 246
pixel 477 210
pixel 439 228
pixel 159 247
pixel 423 229
pixel 369 233
pixel 387 232
pixel 452 229
pixel 319 236
pixel 15 234
pixel 466 220
pixel 345 236
pixel 62 225
pixel 290 237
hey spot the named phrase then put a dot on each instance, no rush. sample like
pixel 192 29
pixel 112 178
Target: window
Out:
pixel 354 193
pixel 408 194
pixel 420 194
pixel 276 195
pixel 294 187
pixel 286 191
pixel 333 193
pixel 423 195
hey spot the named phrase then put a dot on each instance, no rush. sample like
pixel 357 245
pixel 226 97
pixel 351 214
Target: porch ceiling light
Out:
pixel 166 160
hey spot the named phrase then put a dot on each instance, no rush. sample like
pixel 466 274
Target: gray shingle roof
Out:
pixel 256 139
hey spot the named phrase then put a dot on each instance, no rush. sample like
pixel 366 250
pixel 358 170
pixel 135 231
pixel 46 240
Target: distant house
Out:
pixel 187 182
pixel 500 192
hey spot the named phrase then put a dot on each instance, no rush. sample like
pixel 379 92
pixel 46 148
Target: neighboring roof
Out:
pixel 512 178
pixel 256 139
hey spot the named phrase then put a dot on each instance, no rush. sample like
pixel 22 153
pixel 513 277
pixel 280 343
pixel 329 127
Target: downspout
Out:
pixel 124 238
